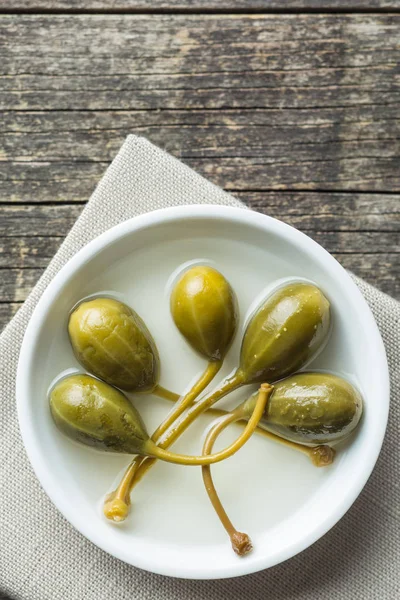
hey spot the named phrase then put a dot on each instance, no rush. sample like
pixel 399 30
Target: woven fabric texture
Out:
pixel 43 558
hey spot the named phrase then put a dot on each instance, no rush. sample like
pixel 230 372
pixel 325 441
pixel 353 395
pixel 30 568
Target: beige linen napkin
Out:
pixel 43 558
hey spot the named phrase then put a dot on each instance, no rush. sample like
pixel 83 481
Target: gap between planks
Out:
pixel 206 11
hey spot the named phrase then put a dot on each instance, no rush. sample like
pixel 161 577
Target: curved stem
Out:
pixel 188 399
pixel 321 455
pixel 116 506
pixel 117 503
pixel 228 386
pixel 241 543
pixel 183 459
pixel 118 510
pixel 166 394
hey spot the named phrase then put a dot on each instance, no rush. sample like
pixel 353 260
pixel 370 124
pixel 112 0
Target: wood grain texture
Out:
pixel 17 283
pixel 23 252
pixel 377 213
pixel 297 115
pixel 196 5
pixel 198 61
pixel 303 101
pixel 356 149
pixel 7 311
pixel 42 221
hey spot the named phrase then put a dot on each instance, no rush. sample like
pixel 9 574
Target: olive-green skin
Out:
pixel 312 408
pixel 94 413
pixel 111 341
pixel 285 333
pixel 203 307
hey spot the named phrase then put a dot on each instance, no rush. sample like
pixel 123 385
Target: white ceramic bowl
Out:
pixel 273 493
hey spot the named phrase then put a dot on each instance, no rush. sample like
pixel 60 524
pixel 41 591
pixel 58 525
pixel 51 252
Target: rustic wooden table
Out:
pixel 295 110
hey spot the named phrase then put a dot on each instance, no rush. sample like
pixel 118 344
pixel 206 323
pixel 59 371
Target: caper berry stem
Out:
pixel 227 386
pixel 183 459
pixel 321 456
pixel 188 399
pixel 162 392
pixel 117 503
pixel 241 543
pixel 144 464
pixel 116 506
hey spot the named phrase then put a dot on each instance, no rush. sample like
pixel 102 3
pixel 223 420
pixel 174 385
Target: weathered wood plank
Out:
pixel 33 182
pixel 252 102
pixel 274 78
pixel 308 212
pixel 235 93
pixel 381 270
pixel 17 283
pixel 24 252
pixel 379 174
pixel 18 221
pixel 196 5
pixel 7 311
pixel 365 212
pixel 358 242
pixel 172 61
pixel 305 167
pixel 96 136
pixel 304 102
pixel 353 120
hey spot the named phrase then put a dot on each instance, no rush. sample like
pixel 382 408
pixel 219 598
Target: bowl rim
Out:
pixel 175 214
